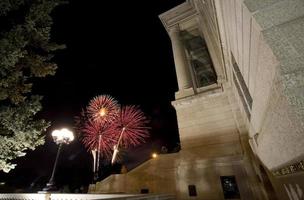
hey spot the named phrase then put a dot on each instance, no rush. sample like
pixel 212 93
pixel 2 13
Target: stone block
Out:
pixel 255 5
pixel 278 13
pixel 266 71
pixel 255 37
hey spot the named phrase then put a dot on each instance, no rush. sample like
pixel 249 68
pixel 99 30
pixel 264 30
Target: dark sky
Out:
pixel 118 48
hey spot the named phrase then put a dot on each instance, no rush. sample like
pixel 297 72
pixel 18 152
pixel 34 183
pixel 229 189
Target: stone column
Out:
pixel 181 64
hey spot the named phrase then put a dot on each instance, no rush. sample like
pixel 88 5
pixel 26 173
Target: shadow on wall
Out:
pixel 267 184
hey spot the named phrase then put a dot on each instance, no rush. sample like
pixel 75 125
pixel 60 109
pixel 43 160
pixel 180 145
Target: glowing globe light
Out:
pixel 63 136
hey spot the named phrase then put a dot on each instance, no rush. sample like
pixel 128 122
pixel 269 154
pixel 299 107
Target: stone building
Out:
pixel 240 104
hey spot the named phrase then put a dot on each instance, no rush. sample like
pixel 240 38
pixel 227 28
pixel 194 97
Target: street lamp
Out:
pixel 60 137
pixel 154 155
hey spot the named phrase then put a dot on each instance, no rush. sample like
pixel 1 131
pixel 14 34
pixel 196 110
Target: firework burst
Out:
pixel 100 137
pixel 103 109
pixel 132 127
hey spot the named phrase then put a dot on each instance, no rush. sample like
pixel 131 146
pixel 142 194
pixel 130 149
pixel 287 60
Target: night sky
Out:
pixel 118 48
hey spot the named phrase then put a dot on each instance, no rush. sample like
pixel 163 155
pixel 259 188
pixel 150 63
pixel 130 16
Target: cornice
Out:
pixel 178 14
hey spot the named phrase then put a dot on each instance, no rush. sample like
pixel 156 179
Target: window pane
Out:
pixel 202 66
pixel 230 187
pixel 144 191
pixel 192 190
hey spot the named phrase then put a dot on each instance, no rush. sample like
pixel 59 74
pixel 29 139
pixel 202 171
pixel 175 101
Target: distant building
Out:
pixel 240 104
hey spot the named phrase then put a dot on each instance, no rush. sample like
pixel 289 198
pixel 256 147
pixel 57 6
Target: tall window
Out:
pixel 201 63
pixel 242 88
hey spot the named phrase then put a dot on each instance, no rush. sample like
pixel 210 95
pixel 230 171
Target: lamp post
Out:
pixel 60 137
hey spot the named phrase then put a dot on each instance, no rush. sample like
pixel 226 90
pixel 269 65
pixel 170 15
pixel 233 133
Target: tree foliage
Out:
pixel 25 55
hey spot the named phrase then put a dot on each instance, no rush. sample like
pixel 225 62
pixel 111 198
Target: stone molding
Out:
pixel 177 15
pixel 197 98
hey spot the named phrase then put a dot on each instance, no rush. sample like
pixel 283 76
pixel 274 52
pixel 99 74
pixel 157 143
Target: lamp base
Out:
pixel 50 186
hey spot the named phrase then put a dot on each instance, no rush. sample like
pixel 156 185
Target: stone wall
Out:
pixel 205 119
pixel 173 173
pixel 265 39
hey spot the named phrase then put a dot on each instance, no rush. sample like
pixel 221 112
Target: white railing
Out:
pixel 154 197
pixel 16 196
pixel 60 196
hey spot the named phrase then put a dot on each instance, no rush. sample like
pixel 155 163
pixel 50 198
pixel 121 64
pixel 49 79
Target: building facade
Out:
pixel 240 104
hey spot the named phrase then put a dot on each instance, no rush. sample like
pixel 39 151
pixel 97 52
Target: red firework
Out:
pixel 103 109
pixel 100 137
pixel 131 127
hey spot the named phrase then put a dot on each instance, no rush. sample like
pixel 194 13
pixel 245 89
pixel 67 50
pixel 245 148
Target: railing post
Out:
pixel 47 196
